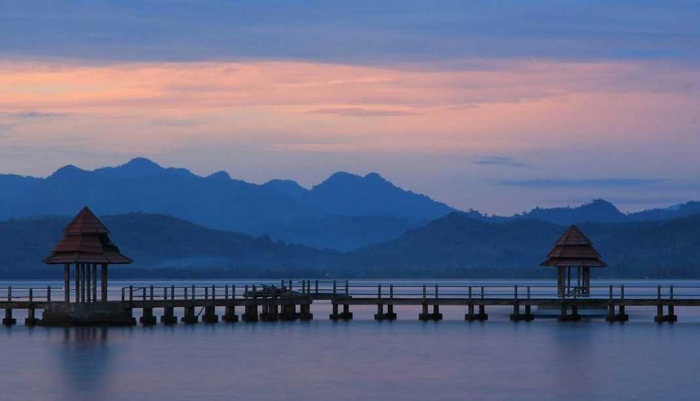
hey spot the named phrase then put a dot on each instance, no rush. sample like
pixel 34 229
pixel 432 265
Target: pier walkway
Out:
pixel 292 300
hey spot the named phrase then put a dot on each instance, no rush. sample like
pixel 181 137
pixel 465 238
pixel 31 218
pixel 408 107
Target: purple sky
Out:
pixel 488 106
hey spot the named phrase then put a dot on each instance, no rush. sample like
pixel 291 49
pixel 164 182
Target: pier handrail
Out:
pixel 380 289
pixel 32 294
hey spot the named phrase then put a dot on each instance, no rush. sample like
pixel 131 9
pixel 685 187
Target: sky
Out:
pixel 494 106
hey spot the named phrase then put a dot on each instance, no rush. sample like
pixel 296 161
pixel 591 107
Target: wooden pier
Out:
pixel 85 245
pixel 289 300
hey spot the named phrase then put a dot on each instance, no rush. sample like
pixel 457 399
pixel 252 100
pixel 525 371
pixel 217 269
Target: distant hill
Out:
pixel 596 211
pixel 163 245
pixel 218 201
pixel 12 185
pixel 599 210
pixel 341 232
pixel 452 246
pixel 457 243
pixel 672 212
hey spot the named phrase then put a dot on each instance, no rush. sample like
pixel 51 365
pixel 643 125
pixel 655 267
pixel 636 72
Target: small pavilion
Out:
pixel 86 244
pixel 573 252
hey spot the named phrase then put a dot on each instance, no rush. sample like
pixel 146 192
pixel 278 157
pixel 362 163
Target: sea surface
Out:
pixel 359 360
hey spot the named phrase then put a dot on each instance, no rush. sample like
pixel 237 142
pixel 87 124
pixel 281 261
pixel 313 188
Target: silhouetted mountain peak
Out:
pixel 289 187
pixel 68 171
pixel 598 210
pixel 343 179
pixel 601 204
pixel 219 176
pixel 375 177
pixel 141 167
pixel 141 163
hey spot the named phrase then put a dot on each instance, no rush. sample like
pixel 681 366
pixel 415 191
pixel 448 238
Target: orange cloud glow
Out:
pixel 297 106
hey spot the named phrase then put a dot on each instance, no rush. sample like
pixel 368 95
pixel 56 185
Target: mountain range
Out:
pixel 320 216
pixel 344 212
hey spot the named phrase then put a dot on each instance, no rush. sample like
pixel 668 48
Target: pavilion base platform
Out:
pixel 555 312
pixel 87 314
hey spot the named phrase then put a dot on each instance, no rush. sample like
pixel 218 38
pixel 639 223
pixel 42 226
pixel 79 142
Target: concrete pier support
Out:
pixel 620 316
pixel 305 312
pixel 288 312
pixel 434 316
pixel 190 317
pixel 168 317
pixel 516 316
pixel 230 314
pixel 334 314
pixel 147 319
pixel 566 317
pixel 8 320
pixel 476 317
pixel 31 319
pixel 669 318
pixel 250 313
pixel 87 314
pixel 210 315
pixel 344 315
pixel 269 313
pixel 389 315
pixel 380 312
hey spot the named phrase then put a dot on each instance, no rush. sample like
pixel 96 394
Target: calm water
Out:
pixel 359 360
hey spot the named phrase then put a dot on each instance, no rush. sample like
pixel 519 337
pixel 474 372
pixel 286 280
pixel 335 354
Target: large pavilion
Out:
pixel 573 252
pixel 86 244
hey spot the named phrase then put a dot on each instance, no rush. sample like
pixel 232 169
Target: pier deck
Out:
pixel 293 300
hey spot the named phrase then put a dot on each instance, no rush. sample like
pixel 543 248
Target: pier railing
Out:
pixel 292 299
pixel 31 294
pixel 213 292
pixel 328 289
pixel 336 289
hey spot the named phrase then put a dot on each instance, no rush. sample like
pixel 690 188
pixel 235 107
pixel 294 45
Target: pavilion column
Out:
pixel 88 282
pixel 77 282
pixel 560 281
pixel 587 279
pixel 578 278
pixel 94 282
pixel 66 282
pixel 104 282
pixel 82 281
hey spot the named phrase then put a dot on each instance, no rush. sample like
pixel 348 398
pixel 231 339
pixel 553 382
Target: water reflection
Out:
pixel 85 361
pixel 574 357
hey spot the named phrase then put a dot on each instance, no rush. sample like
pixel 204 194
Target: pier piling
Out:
pixel 168 317
pixel 250 313
pixel 147 319
pixel 8 320
pixel 305 314
pixel 190 316
pixel 230 314
pixel 210 315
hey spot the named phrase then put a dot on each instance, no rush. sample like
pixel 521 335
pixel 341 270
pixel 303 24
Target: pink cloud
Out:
pixel 501 105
